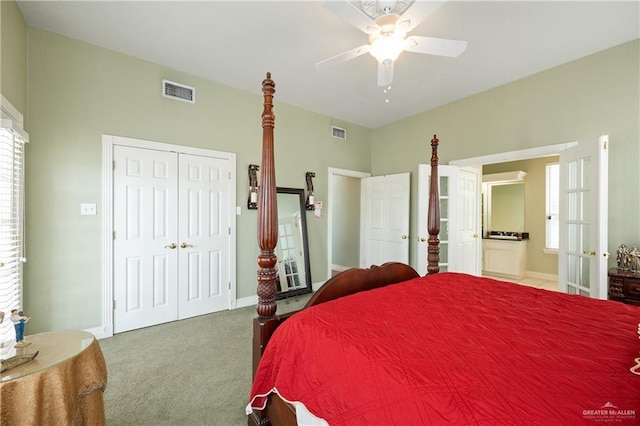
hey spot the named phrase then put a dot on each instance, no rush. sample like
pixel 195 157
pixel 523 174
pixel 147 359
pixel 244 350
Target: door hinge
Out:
pixel 229 175
pixel 114 305
pixel 229 230
pixel 114 235
pixel 229 285
pixel 113 165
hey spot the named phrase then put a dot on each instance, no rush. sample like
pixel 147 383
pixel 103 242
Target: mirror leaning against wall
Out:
pixel 292 250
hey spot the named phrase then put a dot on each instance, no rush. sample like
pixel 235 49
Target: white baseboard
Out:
pixel 542 276
pixel 100 332
pixel 246 301
pixel 340 268
pixel 316 286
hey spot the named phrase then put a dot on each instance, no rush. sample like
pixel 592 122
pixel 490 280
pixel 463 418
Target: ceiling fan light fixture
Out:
pixel 387 48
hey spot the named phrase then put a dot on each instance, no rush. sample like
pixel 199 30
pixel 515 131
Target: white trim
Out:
pixel 316 286
pixel 541 276
pixel 505 177
pixel 107 236
pixel 523 154
pixel 339 268
pixel 108 142
pixel 11 111
pixel 11 118
pixel 245 302
pixel 335 172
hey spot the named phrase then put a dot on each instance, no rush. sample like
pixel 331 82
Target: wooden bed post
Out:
pixel 267 210
pixel 433 220
pixel 267 321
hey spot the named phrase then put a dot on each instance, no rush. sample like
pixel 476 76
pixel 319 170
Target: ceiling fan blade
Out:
pixel 435 46
pixel 385 73
pixel 343 57
pixel 352 14
pixel 417 12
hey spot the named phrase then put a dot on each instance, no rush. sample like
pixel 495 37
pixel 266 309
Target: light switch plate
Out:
pixel 87 208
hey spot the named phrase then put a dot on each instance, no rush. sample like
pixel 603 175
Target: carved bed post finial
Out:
pixel 267 210
pixel 433 220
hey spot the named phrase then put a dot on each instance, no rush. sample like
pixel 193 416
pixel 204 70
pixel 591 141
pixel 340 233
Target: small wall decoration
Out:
pixel 252 201
pixel 310 200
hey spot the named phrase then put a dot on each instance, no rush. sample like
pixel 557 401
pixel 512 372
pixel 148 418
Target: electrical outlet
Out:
pixel 87 208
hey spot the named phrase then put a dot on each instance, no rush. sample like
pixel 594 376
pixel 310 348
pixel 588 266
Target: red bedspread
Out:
pixel 453 348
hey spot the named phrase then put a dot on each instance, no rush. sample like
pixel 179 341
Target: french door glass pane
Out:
pixel 444 185
pixel 444 253
pixel 444 207
pixel 585 235
pixel 584 267
pixel 585 164
pixel 444 230
pixel 572 241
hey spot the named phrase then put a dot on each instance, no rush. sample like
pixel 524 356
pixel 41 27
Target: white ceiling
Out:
pixel 236 42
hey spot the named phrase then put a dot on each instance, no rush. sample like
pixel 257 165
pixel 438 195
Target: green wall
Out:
pixel 77 92
pixel 577 101
pixel 345 248
pixel 13 55
pixel 72 92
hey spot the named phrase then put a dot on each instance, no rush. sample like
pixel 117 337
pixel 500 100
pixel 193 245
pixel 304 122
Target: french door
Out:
pixel 458 189
pixel 582 255
pixel 171 242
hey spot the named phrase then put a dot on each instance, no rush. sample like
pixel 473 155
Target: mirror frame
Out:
pixel 305 244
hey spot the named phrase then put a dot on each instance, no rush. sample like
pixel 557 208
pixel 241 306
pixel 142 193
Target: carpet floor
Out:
pixel 191 372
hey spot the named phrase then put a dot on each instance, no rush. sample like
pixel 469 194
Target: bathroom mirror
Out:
pixel 503 202
pixel 292 250
pixel 507 207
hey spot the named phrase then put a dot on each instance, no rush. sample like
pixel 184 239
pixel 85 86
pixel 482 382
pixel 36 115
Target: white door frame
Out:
pixel 523 154
pixel 330 182
pixel 108 141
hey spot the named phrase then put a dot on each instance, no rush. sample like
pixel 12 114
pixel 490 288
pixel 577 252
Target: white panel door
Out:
pixel 171 236
pixel 145 234
pixel 204 227
pixel 582 255
pixel 468 251
pixel 384 219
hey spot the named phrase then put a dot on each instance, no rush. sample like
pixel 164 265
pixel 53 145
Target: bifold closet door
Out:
pixel 145 212
pixel 171 236
pixel 204 235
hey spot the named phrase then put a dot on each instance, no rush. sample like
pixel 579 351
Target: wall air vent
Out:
pixel 339 133
pixel 178 91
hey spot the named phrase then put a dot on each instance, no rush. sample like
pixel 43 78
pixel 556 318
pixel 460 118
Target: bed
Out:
pixel 386 346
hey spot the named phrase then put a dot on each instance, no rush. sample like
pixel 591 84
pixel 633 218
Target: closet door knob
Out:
pixel 171 246
pixel 185 245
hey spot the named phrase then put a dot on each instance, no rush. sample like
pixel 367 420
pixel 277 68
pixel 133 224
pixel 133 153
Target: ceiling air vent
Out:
pixel 178 91
pixel 338 133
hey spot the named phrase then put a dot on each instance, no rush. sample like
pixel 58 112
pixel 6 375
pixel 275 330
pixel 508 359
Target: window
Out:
pixel 552 223
pixel 12 142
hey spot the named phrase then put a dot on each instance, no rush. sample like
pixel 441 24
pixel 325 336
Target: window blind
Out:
pixel 11 229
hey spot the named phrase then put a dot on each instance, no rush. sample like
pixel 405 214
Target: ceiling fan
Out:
pixel 388 22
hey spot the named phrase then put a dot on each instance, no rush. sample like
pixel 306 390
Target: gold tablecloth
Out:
pixel 63 385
